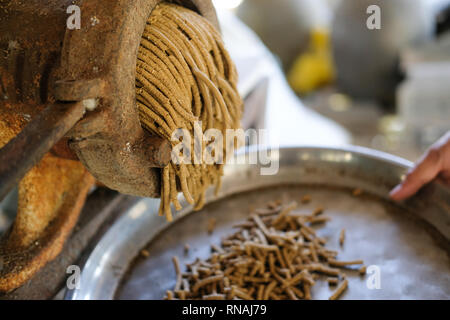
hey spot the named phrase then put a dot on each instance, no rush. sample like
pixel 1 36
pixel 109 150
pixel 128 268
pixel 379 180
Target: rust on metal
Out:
pixel 43 63
pixel 110 141
pixel 79 90
pixel 24 151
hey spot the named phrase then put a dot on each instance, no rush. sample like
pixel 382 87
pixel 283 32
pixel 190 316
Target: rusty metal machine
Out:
pixel 70 93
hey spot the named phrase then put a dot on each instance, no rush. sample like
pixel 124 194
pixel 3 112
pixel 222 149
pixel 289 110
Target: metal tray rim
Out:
pixel 358 152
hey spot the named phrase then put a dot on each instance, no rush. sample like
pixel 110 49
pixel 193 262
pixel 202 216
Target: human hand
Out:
pixel 435 163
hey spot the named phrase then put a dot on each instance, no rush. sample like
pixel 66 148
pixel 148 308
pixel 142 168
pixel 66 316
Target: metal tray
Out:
pixel 408 242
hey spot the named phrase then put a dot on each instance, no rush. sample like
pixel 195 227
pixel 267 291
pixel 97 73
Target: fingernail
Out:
pixel 395 191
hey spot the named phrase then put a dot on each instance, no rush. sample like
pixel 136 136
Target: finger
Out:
pixel 445 177
pixel 426 170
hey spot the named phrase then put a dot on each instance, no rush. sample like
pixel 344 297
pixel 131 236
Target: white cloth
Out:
pixel 287 120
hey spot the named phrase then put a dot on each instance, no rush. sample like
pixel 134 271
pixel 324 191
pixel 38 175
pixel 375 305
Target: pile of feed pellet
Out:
pixel 274 254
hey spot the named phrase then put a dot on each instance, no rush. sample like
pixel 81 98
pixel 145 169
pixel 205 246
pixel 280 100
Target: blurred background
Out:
pixel 383 88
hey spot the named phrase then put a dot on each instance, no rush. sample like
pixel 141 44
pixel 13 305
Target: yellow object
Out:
pixel 314 68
